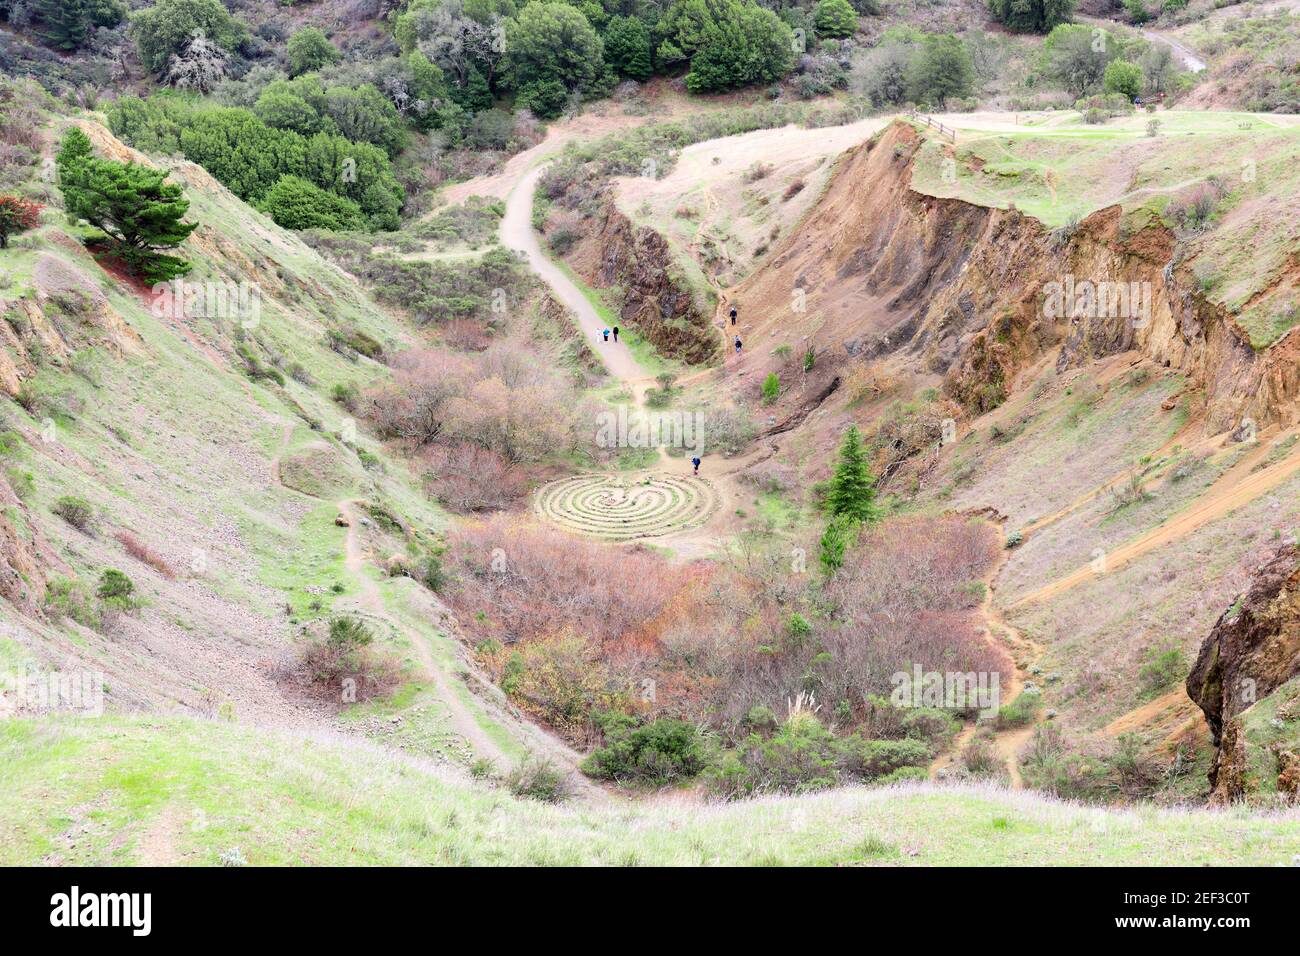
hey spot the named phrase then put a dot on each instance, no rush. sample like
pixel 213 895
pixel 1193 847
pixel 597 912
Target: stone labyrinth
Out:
pixel 615 508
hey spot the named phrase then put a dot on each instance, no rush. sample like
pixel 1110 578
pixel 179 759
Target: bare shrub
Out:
pixel 341 663
pixel 867 382
pixel 77 512
pixel 145 554
pixel 467 335
pixel 563 681
pixel 467 478
pixel 771 476
pixel 414 406
pixel 980 758
pixel 538 778
pixel 517 580
pixel 1194 207
pixel 502 400
pixel 522 424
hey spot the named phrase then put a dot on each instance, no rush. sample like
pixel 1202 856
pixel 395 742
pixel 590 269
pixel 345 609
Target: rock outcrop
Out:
pixel 657 303
pixel 1252 651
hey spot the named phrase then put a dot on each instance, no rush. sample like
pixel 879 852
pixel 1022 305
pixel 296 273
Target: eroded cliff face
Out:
pixel 1252 651
pixel 659 306
pixel 968 291
pixel 25 554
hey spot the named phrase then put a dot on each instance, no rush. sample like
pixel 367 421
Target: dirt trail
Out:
pixel 517 234
pixel 1186 57
pixel 1234 489
pixel 1185 54
pixel 1180 439
pixel 158 843
pixel 1175 704
pixel 1007 744
pixel 462 721
pixel 372 601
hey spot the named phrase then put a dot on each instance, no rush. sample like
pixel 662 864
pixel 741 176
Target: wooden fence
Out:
pixel 933 123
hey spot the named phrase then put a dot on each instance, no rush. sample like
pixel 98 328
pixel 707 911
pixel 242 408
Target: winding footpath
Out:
pixel 517 234
pixel 661 500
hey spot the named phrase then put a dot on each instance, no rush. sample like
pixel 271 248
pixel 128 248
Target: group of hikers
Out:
pixel 605 333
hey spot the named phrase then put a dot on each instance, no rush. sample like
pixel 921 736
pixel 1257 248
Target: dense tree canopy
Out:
pixel 310 49
pixel 1032 16
pixel 627 47
pixel 249 156
pixel 1122 77
pixel 165 29
pixel 728 43
pixel 295 203
pixel 835 18
pixel 1076 57
pixel 553 43
pixel 66 24
pixel 941 70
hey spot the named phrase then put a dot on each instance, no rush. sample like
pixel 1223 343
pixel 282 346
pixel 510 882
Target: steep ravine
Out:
pixel 962 290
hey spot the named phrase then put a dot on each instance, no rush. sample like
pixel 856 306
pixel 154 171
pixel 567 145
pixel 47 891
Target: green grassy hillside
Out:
pixel 171 790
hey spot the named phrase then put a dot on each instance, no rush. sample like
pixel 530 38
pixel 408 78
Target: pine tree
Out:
pixel 65 23
pixel 76 147
pixel 131 204
pixel 840 533
pixel 852 492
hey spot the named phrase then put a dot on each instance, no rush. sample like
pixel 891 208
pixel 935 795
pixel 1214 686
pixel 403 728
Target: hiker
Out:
pixel 733 315
pixel 737 344
pixel 696 462
pixel 605 333
pixel 616 333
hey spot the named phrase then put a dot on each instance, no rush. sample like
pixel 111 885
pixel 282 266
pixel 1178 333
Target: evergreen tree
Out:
pixel 475 95
pixel 835 18
pixel 65 24
pixel 75 147
pixel 165 29
pixel 295 203
pixel 729 43
pixel 627 47
pixel 1032 16
pixel 1122 77
pixel 852 493
pixel 942 70
pixel 131 204
pixel 840 533
pixel 552 42
pixel 310 49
